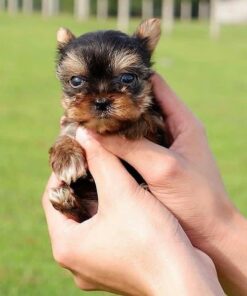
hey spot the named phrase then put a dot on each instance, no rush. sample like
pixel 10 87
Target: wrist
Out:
pixel 227 246
pixel 183 271
pixel 214 225
pixel 222 230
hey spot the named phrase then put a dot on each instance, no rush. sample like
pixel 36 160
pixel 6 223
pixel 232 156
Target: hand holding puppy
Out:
pixel 133 245
pixel 186 180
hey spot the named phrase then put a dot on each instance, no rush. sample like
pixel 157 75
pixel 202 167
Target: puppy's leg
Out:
pixel 63 200
pixel 67 159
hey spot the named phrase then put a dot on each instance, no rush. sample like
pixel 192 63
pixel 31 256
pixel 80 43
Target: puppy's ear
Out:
pixel 149 32
pixel 64 36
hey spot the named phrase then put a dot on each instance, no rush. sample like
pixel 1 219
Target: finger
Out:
pixel 149 159
pixel 177 115
pixel 187 131
pixel 106 168
pixel 56 221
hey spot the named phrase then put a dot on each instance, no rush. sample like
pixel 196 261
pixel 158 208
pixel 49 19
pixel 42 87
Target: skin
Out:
pixel 133 245
pixel 185 179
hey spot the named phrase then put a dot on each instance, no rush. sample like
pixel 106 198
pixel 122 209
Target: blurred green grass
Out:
pixel 209 75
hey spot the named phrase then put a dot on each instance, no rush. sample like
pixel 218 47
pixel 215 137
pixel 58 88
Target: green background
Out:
pixel 210 76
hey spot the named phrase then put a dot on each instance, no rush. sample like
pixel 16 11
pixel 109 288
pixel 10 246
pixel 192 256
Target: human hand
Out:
pixel 184 177
pixel 186 180
pixel 133 245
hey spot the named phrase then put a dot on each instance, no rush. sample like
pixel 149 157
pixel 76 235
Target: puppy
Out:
pixel 106 88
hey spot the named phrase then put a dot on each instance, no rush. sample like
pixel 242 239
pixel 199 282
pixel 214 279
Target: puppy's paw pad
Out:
pixel 62 199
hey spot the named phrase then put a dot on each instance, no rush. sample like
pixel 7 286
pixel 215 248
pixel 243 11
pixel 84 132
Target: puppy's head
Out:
pixel 105 75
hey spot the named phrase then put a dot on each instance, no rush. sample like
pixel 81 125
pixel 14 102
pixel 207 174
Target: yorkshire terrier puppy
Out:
pixel 106 88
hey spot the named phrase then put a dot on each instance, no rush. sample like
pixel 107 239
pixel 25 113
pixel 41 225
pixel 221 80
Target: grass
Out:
pixel 209 75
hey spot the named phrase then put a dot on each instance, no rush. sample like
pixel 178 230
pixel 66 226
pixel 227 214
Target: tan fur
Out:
pixel 102 87
pixel 103 126
pixel 63 199
pixel 68 128
pixel 123 60
pixel 67 159
pixel 147 126
pixel 71 66
pixel 64 36
pixel 123 110
pixel 145 99
pixel 149 29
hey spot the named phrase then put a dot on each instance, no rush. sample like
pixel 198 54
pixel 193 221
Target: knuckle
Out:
pixel 172 166
pixel 83 284
pixel 169 169
pixel 60 255
pixel 207 260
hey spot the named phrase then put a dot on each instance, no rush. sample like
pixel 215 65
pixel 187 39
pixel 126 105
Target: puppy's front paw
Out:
pixel 71 168
pixel 63 200
pixel 68 161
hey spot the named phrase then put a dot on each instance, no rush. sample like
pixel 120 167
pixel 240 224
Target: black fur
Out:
pixel 97 50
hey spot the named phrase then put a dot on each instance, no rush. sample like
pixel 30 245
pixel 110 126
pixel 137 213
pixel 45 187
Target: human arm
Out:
pixel 133 245
pixel 186 180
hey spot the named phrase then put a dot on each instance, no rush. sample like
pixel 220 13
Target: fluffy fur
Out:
pixel 106 88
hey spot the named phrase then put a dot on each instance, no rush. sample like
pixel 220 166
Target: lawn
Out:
pixel 210 76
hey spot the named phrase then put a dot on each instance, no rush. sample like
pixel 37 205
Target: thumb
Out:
pixel 106 169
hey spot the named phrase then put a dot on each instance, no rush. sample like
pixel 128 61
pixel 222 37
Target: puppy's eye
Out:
pixel 77 81
pixel 127 78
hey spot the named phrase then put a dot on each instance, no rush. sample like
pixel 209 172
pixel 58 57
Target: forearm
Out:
pixel 228 249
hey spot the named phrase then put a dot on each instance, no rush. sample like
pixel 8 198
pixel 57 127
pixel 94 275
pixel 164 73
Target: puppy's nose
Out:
pixel 101 104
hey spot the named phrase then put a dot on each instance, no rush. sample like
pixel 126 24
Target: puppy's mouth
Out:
pixel 107 113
